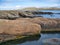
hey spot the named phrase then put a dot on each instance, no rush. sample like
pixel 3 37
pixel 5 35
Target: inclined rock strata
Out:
pixel 14 14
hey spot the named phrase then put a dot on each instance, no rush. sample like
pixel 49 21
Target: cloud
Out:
pixel 52 0
pixel 17 0
pixel 54 5
pixel 16 4
pixel 7 7
pixel 11 7
pixel 18 7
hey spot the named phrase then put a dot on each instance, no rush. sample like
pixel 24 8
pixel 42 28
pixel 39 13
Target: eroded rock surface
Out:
pixel 46 23
pixel 19 27
pixel 15 14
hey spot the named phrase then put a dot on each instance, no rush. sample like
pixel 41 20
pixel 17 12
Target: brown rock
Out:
pixel 46 23
pixel 19 27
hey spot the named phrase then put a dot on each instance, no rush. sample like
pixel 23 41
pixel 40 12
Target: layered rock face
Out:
pixel 9 14
pixel 19 27
pixel 14 14
pixel 46 23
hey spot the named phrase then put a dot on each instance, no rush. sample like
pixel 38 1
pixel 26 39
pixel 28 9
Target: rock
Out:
pixel 10 29
pixel 20 39
pixel 39 12
pixel 6 37
pixel 46 23
pixel 58 22
pixel 19 27
pixel 9 14
pixel 14 14
pixel 52 41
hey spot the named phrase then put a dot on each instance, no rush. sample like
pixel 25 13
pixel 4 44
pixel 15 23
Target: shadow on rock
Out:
pixel 23 40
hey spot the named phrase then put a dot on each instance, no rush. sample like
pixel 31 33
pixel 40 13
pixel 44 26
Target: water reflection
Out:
pixel 23 40
pixel 56 14
pixel 34 40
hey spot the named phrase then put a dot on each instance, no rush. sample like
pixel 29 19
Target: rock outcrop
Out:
pixel 9 14
pixel 39 12
pixel 46 23
pixel 14 14
pixel 10 29
pixel 24 23
pixel 19 27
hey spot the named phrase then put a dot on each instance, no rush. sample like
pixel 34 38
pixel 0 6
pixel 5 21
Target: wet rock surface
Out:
pixel 52 41
pixel 6 37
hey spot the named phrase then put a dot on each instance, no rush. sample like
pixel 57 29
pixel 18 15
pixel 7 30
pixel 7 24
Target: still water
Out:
pixel 55 15
pixel 35 40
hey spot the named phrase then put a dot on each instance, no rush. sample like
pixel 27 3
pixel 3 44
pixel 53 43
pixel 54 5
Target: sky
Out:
pixel 16 4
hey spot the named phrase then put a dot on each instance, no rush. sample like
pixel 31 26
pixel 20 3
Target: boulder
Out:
pixel 19 27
